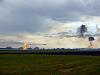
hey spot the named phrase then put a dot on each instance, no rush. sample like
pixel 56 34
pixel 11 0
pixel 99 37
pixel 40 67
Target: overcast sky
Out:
pixel 46 16
pixel 31 16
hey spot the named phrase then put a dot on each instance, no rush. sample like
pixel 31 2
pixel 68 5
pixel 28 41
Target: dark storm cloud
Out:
pixel 18 16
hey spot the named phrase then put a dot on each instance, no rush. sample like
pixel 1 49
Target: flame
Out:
pixel 25 46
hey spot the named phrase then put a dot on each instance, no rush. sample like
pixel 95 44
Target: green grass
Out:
pixel 32 64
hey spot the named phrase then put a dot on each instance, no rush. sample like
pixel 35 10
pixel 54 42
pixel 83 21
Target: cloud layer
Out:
pixel 21 18
pixel 31 16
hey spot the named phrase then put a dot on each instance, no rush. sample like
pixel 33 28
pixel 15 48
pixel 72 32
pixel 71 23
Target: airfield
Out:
pixel 44 64
pixel 80 61
pixel 55 61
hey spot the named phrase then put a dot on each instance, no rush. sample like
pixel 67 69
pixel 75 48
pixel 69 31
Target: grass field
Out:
pixel 32 64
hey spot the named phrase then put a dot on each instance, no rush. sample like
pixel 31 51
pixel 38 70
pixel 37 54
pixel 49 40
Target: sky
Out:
pixel 33 20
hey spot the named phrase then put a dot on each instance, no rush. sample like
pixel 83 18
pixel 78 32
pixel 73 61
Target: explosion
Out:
pixel 91 39
pixel 25 46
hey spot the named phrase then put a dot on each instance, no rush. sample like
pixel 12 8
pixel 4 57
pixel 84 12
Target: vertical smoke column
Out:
pixel 98 29
pixel 91 39
pixel 82 30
